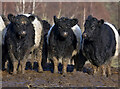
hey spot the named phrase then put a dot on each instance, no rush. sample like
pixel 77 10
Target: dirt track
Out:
pixel 47 79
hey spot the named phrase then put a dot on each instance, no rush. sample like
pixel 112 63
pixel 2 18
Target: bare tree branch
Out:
pixel 33 10
pixel 23 6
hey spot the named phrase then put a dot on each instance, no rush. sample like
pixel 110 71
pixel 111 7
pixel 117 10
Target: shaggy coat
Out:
pixel 100 43
pixel 24 34
pixel 64 40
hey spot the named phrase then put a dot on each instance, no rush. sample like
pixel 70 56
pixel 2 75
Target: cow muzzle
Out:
pixel 65 34
pixel 22 34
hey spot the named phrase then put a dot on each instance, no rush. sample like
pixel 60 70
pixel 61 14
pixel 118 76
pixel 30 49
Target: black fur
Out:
pixel 99 41
pixel 46 27
pixel 62 40
pixel 59 45
pixel 19 39
pixel 20 43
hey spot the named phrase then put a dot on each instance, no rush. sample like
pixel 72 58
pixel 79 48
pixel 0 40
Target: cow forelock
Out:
pixel 22 20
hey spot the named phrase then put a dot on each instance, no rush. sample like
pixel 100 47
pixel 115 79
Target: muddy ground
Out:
pixel 48 79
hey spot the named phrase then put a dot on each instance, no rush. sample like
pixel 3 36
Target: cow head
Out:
pixel 92 27
pixel 20 24
pixel 63 26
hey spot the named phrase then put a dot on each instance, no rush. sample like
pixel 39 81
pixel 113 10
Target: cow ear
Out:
pixel 74 22
pixel 90 17
pixel 100 22
pixel 11 17
pixel 55 19
pixel 31 18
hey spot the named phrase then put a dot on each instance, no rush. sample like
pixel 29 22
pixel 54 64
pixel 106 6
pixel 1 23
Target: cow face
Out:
pixel 63 26
pixel 20 24
pixel 92 28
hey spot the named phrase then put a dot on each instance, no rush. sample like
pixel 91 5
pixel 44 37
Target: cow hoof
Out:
pixel 104 75
pixel 40 71
pixel 23 72
pixel 74 70
pixel 55 72
pixel 14 73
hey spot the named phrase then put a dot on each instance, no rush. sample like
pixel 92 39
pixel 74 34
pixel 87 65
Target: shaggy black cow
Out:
pixel 24 34
pixel 64 40
pixel 100 43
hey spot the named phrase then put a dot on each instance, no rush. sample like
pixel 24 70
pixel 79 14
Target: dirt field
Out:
pixel 48 79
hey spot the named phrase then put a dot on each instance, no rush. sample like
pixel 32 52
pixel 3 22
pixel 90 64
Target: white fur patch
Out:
pixel 77 31
pixel 48 35
pixel 117 37
pixel 2 27
pixel 38 29
pixel 26 15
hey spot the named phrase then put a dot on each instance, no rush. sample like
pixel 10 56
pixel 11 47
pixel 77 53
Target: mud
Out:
pixel 48 79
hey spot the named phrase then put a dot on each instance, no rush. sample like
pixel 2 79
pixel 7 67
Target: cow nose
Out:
pixel 65 34
pixel 84 35
pixel 23 32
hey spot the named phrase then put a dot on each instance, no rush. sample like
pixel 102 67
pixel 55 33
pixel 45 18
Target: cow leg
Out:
pixel 65 63
pixel 15 64
pixel 14 61
pixel 94 69
pixel 6 64
pixel 20 68
pixel 23 65
pixel 39 60
pixel 40 66
pixel 109 68
pixel 55 61
pixel 103 67
pixel 32 65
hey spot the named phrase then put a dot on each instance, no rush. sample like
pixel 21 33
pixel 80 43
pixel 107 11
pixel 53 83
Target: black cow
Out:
pixel 100 43
pixel 64 41
pixel 24 35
